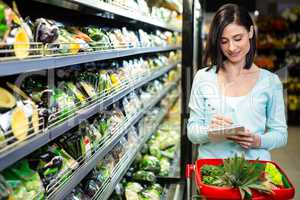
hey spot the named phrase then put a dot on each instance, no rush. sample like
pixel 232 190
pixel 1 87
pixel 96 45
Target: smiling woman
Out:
pixel 231 31
pixel 247 96
pixel 235 42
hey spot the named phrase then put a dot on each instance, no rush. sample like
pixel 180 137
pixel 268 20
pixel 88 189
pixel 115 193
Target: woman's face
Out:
pixel 235 42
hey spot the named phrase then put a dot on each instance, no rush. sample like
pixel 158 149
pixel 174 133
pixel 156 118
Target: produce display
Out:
pixel 20 182
pixel 92 183
pixel 246 176
pixel 82 141
pixel 165 11
pixel 31 105
pixel 278 48
pixel 279 39
pixel 146 169
pixel 18 116
pixel 45 37
pixel 140 179
pixel 56 162
pixel 37 106
pixel 31 178
pixel 15 33
pixel 52 163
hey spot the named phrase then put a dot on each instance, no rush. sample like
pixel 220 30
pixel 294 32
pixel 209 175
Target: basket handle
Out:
pixel 189 169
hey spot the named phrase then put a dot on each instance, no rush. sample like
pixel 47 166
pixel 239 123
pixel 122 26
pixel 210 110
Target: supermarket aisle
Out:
pixel 288 158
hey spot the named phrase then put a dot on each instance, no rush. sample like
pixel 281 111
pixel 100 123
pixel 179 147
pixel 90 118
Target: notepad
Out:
pixel 219 134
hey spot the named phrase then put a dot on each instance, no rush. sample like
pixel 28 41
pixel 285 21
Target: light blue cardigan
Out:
pixel 262 111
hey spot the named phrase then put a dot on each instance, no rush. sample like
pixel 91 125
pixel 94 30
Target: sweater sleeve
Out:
pixel 196 129
pixel 276 135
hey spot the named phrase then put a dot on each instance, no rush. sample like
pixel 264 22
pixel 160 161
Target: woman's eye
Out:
pixel 238 38
pixel 223 42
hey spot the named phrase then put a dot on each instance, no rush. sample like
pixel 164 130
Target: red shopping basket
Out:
pixel 225 193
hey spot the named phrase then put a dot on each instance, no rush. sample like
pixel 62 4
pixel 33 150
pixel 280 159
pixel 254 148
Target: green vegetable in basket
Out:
pixel 211 170
pixel 244 175
pixel 273 174
pixel 150 163
pixel 210 180
pixel 144 176
pixel 211 174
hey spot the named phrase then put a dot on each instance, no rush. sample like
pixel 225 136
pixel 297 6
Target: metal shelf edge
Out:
pixel 99 5
pixel 43 63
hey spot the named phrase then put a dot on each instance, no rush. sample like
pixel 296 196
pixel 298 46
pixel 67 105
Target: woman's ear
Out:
pixel 251 32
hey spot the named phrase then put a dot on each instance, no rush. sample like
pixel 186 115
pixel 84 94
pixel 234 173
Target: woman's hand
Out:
pixel 246 139
pixel 220 121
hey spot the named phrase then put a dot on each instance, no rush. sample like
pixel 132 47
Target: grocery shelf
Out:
pixel 278 50
pixel 12 155
pixel 105 193
pixel 112 9
pixel 65 189
pixel 43 63
pixel 175 164
pixel 169 192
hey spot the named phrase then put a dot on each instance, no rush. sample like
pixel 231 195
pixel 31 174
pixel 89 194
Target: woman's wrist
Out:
pixel 256 141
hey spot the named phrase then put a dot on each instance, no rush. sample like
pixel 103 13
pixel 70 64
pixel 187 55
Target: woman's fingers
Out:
pixel 245 133
pixel 245 145
pixel 224 119
pixel 220 121
pixel 238 138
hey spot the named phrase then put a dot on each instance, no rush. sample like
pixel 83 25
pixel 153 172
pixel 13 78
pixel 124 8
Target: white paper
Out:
pixel 220 134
